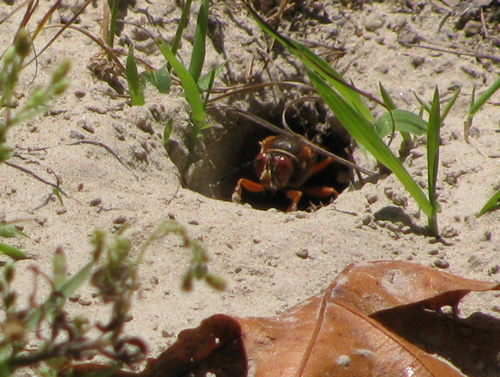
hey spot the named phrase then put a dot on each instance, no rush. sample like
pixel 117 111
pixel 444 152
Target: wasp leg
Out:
pixel 247 184
pixel 321 191
pixel 320 166
pixel 294 196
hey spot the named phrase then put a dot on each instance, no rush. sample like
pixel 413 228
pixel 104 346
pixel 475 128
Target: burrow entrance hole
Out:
pixel 230 150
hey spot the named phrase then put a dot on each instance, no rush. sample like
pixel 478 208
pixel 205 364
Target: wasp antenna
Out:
pixel 234 171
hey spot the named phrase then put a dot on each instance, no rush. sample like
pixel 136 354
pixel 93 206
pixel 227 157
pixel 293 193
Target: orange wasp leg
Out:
pixel 247 184
pixel 321 191
pixel 320 166
pixel 294 196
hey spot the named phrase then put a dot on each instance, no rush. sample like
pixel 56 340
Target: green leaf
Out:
pixel 134 80
pixel 160 79
pixel 363 132
pixel 492 204
pixel 204 81
pixel 12 252
pixel 200 35
pixel 405 121
pixel 7 231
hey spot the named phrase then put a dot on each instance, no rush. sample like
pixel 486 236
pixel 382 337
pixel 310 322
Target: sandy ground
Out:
pixel 270 259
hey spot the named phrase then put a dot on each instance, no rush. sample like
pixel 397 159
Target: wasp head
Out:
pixel 274 169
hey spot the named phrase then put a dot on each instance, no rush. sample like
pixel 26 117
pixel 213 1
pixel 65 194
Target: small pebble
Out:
pixel 407 35
pixel 374 21
pixel 449 232
pixel 79 93
pixel 61 211
pixel 144 124
pixel 494 270
pixel 371 198
pixel 154 280
pixel 366 219
pixel 120 220
pixel 193 222
pixel 441 263
pixel 167 334
pixel 304 254
pixel 95 202
pixel 487 236
pixel 417 61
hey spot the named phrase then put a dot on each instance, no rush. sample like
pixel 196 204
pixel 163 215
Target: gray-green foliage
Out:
pixel 37 101
pixel 11 113
pixel 111 272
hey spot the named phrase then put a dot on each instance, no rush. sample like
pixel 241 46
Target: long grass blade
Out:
pixel 476 105
pixel 192 93
pixel 492 204
pixel 433 158
pixel 450 104
pixel 362 131
pixel 133 79
pixel 386 97
pixel 200 35
pixel 181 25
pixel 481 100
pixel 315 63
pixel 12 252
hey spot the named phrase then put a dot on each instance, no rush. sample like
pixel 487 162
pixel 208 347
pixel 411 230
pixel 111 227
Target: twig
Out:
pixel 91 142
pixel 24 170
pixel 496 59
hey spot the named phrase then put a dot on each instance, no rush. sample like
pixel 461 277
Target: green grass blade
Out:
pixel 481 100
pixel 433 158
pixel 133 79
pixel 209 89
pixel 492 204
pixel 200 35
pixel 7 231
pixel 191 90
pixel 112 23
pixel 12 252
pixel 386 97
pixel 450 104
pixel 425 105
pixel 181 26
pixel 315 63
pixel 363 132
pixel 404 121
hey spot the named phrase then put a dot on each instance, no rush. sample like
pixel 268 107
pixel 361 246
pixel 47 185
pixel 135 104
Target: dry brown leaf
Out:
pixel 367 323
